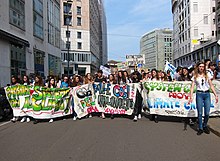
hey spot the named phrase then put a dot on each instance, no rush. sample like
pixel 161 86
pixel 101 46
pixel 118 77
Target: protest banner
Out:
pixel 171 99
pixel 107 98
pixel 39 102
pixel 163 98
pixel 171 68
pixel 106 71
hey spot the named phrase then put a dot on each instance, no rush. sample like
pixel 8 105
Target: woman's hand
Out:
pixel 216 99
pixel 190 100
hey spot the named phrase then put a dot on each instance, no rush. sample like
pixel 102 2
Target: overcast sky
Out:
pixel 128 20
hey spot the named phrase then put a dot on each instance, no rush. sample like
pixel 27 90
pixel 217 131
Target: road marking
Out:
pixel 4 123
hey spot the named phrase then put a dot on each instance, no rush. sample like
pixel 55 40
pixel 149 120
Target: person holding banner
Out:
pixel 25 81
pixel 76 81
pixel 51 84
pixel 101 79
pixel 88 79
pixel 38 81
pixel 136 78
pixel 202 82
pixel 154 77
pixel 14 82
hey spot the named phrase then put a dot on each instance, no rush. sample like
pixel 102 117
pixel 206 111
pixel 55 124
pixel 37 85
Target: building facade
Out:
pixel 194 36
pixel 29 38
pixel 84 23
pixel 157 48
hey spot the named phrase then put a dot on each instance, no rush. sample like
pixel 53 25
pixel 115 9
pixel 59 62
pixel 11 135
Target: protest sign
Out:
pixel 39 102
pixel 106 71
pixel 171 99
pixel 107 98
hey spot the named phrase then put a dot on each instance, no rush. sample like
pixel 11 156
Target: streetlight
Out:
pixel 203 46
pixel 68 37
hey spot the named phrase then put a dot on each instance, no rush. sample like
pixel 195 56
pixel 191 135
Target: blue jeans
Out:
pixel 203 99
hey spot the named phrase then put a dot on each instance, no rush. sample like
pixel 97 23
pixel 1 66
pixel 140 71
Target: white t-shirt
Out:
pixel 202 83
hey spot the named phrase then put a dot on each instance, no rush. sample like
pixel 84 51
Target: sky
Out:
pixel 129 20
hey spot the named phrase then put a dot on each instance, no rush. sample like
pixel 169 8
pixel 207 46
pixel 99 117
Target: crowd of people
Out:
pixel 209 72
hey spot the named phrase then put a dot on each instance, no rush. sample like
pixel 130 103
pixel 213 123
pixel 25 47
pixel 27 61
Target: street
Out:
pixel 96 139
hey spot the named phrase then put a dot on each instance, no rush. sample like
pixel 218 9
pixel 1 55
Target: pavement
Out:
pixel 214 125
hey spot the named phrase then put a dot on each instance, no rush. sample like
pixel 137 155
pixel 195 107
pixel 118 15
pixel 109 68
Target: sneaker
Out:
pixel 156 119
pixel 139 116
pixel 35 121
pixel 135 118
pixel 90 115
pixel 206 130
pixel 13 119
pixel 23 119
pixel 191 122
pixel 200 131
pixel 103 116
pixel 51 120
pixel 28 119
pixel 74 118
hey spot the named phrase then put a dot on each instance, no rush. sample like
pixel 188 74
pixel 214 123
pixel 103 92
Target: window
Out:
pixel 53 21
pixel 17 13
pixel 213 9
pixel 196 31
pixel 79 35
pixel 54 65
pixel 213 33
pixel 189 33
pixel 213 21
pixel 79 45
pixel 78 10
pixel 38 18
pixel 39 61
pixel 79 21
pixel 195 7
pixel 18 59
pixel 205 19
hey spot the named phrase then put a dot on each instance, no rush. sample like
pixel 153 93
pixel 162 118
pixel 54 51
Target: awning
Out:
pixel 12 38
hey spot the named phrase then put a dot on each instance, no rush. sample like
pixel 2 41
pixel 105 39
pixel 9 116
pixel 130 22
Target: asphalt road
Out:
pixel 94 139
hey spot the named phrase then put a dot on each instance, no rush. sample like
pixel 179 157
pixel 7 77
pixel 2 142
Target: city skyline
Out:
pixel 131 20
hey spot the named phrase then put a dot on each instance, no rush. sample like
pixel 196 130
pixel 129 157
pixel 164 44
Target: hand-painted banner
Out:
pixel 107 98
pixel 163 98
pixel 39 102
pixel 171 99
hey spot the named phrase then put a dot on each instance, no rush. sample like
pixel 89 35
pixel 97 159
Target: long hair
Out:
pixel 87 80
pixel 52 85
pixel 27 81
pixel 121 78
pixel 196 71
pixel 40 82
pixel 74 83
pixel 156 74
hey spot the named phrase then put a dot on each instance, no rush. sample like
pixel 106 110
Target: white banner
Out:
pixel 107 98
pixel 171 99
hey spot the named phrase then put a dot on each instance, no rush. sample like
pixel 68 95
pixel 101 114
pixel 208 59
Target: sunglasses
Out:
pixel 202 82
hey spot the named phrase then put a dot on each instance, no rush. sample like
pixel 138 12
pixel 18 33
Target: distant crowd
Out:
pixel 120 77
